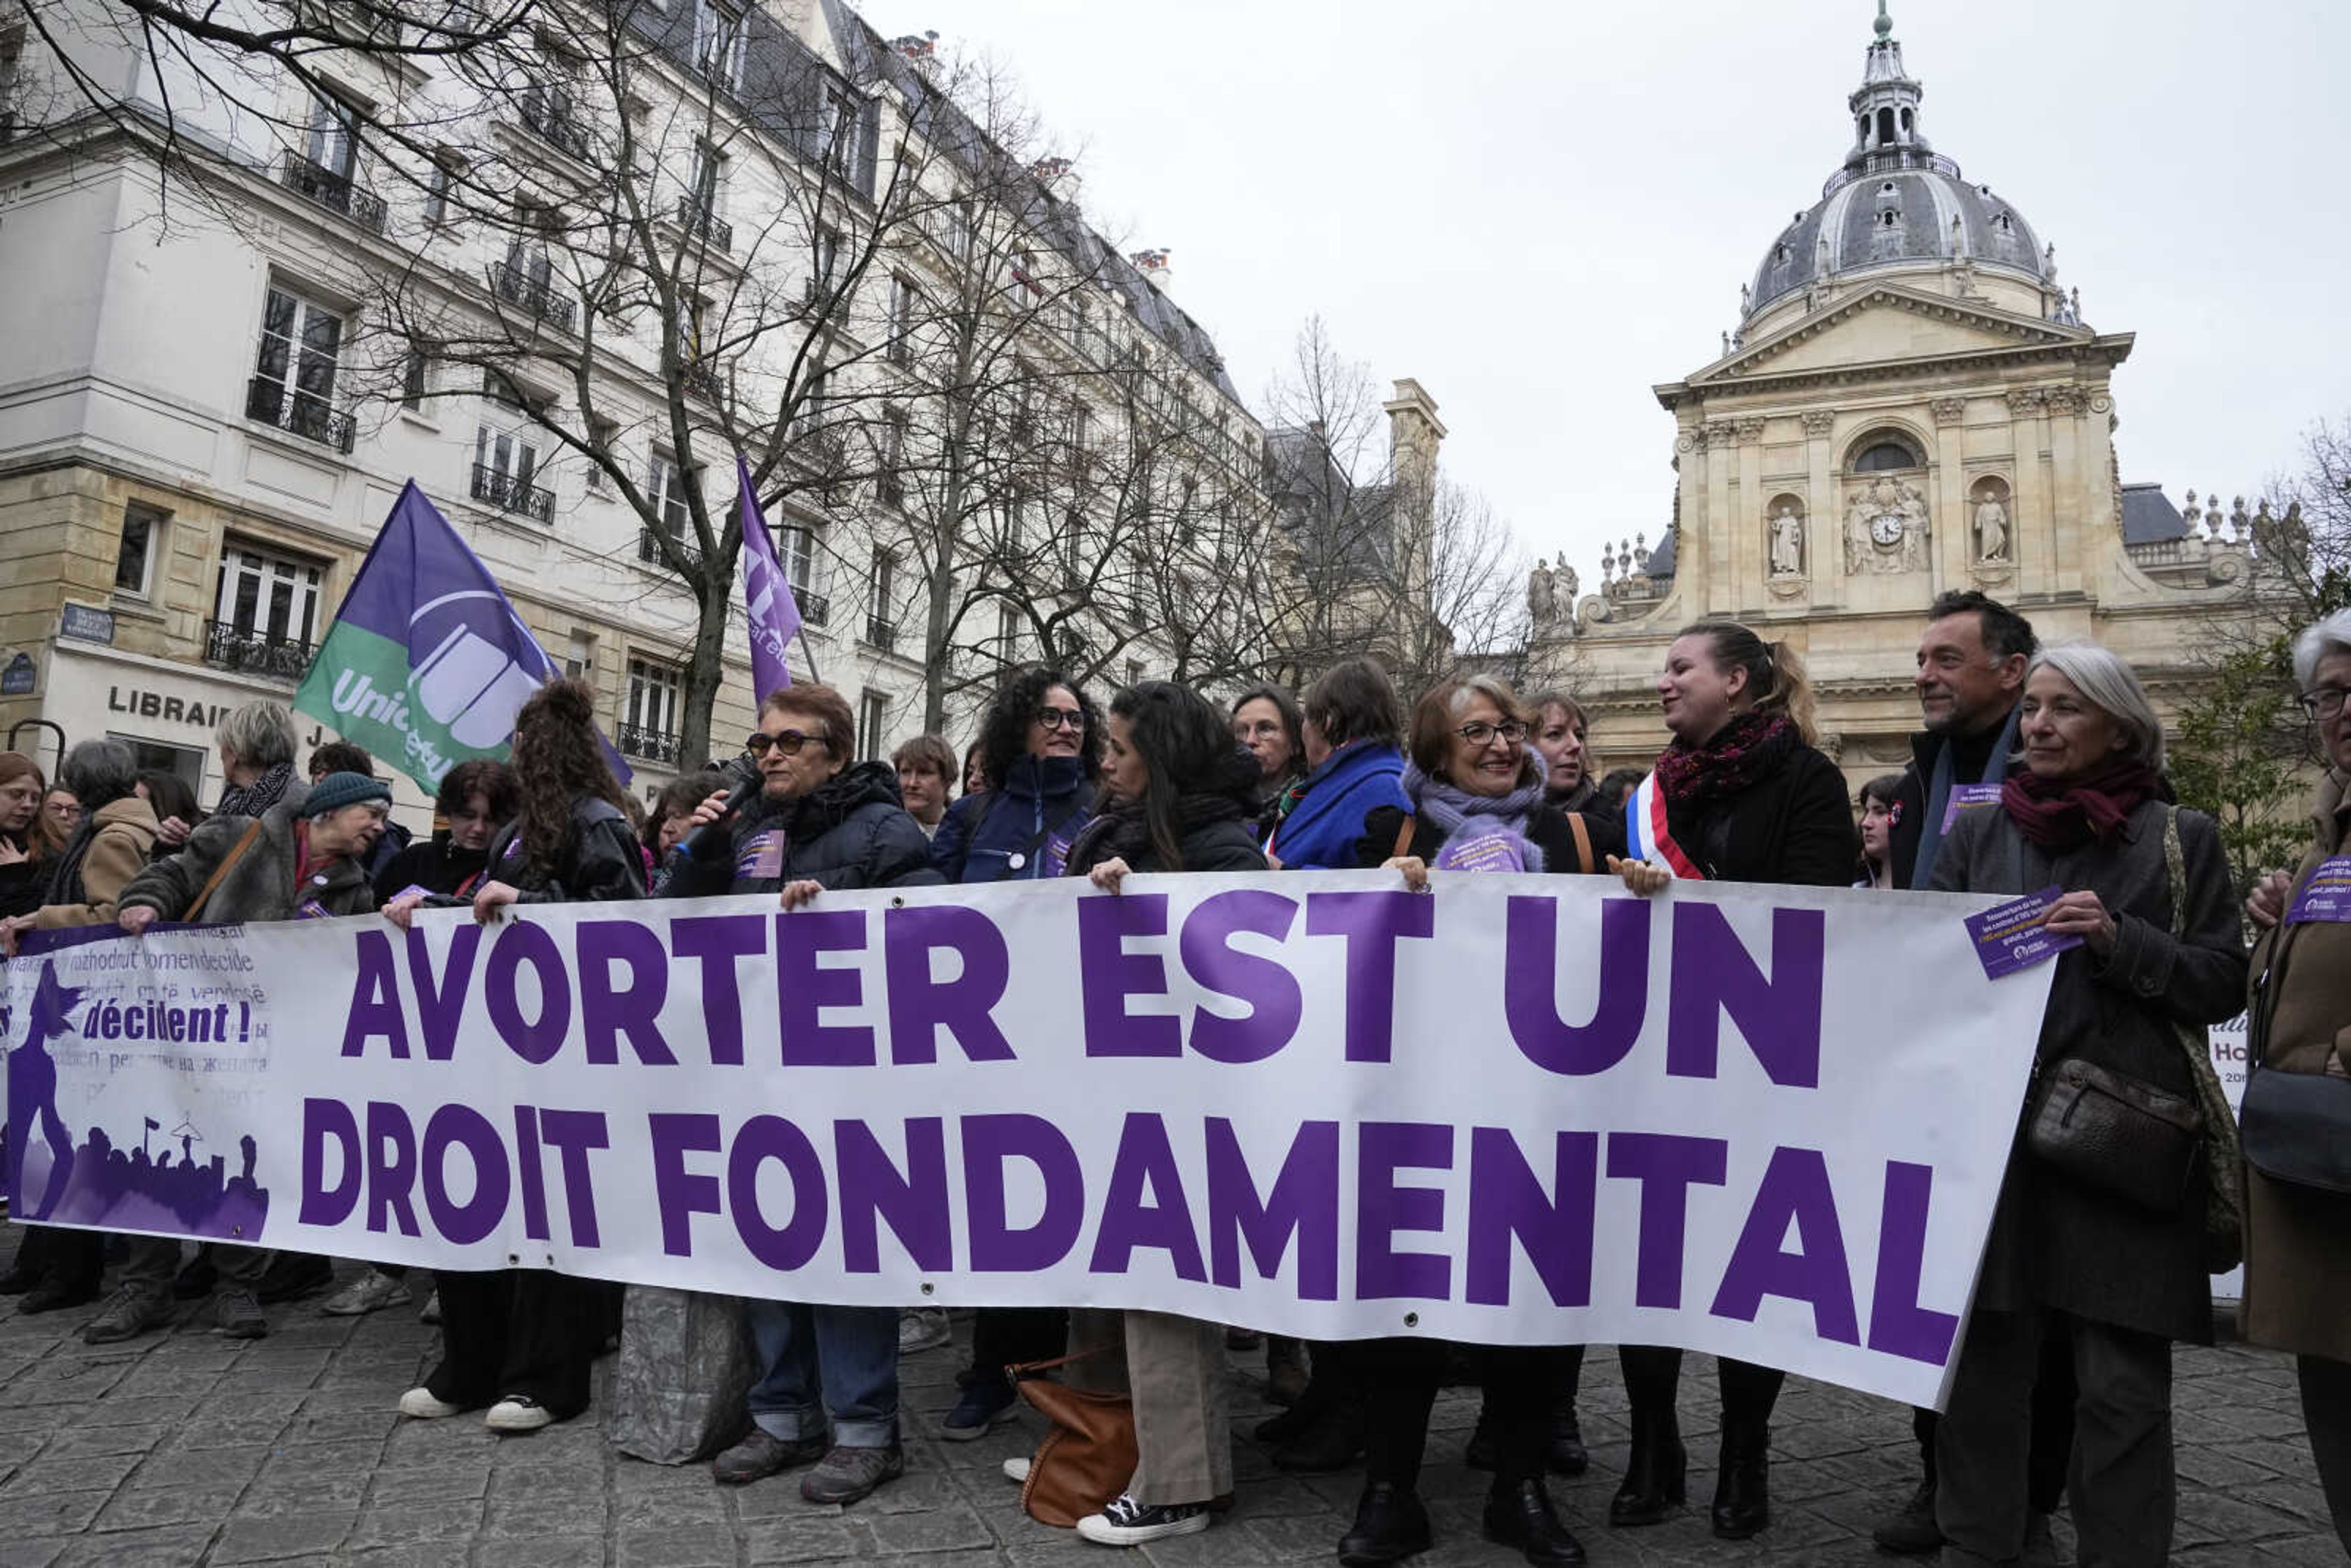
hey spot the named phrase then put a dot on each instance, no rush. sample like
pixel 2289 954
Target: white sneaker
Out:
pixel 1126 1523
pixel 419 1403
pixel 1017 1470
pixel 371 1292
pixel 923 1328
pixel 516 1413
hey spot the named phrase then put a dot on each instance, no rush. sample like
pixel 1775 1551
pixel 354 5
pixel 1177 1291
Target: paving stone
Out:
pixel 168 1505
pixel 174 1548
pixel 809 1537
pixel 48 1514
pixel 542 1551
pixel 307 1536
pixel 711 1547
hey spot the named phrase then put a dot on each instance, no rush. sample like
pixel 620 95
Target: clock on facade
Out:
pixel 1885 529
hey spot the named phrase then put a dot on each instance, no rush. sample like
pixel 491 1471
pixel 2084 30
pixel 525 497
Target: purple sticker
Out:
pixel 1970 798
pixel 1487 851
pixel 1057 855
pixel 2327 896
pixel 414 890
pixel 763 856
pixel 312 909
pixel 2014 935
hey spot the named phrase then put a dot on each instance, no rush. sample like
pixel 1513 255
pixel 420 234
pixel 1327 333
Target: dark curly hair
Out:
pixel 558 757
pixel 494 782
pixel 1004 728
pixel 1186 749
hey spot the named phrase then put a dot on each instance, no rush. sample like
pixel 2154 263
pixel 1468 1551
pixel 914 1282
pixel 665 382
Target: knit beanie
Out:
pixel 337 790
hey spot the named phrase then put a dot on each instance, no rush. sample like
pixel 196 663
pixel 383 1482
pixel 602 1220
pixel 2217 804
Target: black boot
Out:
pixel 1484 1450
pixel 1520 1515
pixel 1390 1525
pixel 1285 1370
pixel 1655 1472
pixel 1742 1500
pixel 1332 1441
pixel 1311 1404
pixel 1567 1455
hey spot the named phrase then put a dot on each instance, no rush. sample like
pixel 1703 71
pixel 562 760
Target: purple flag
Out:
pixel 773 613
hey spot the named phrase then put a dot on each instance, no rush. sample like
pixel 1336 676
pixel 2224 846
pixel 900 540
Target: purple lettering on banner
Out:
pixel 804 988
pixel 1780 1013
pixel 1144 1169
pixel 1304 1203
pixel 759 1140
pixel 1795 1188
pixel 532 1178
pixel 462 1125
pixel 1372 923
pixel 719 942
pixel 680 1193
pixel 1665 1165
pixel 1508 1204
pixel 391 1169
pixel 1382 1209
pixel 1270 989
pixel 1898 1325
pixel 919 1004
pixel 913 1202
pixel 1530 966
pixel 375 1012
pixel 324 1121
pixel 608 1012
pixel 988 1142
pixel 1108 974
pixel 572 1134
pixel 536 1039
pixel 441 1008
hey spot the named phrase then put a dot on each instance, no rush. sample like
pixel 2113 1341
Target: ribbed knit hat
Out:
pixel 337 790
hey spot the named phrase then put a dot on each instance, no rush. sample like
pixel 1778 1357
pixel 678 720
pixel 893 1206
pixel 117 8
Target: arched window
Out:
pixel 1882 456
pixel 1885 127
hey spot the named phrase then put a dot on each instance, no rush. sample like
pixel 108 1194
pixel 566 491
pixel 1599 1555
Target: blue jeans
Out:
pixel 815 1360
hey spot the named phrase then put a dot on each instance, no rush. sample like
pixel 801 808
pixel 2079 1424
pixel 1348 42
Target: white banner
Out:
pixel 1765 1123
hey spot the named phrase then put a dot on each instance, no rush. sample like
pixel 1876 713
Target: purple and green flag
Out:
pixel 426 663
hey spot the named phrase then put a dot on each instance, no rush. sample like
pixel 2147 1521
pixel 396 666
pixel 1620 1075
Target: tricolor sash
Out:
pixel 1645 829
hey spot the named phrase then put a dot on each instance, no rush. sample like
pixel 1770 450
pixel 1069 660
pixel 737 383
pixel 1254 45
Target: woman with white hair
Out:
pixel 2101 1243
pixel 257 745
pixel 2297 1232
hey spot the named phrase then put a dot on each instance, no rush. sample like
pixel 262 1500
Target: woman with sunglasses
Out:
pixel 1040 752
pixel 1477 793
pixel 821 820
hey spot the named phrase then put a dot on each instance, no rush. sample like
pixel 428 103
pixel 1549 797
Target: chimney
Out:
pixel 1060 179
pixel 921 49
pixel 1153 264
pixel 1414 435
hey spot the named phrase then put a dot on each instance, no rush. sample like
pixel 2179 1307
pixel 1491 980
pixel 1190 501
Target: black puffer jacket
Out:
pixel 848 832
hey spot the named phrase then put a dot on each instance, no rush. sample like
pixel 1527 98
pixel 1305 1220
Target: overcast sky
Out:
pixel 1541 210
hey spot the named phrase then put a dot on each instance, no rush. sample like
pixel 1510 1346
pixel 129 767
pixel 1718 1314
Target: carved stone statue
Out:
pixel 1566 585
pixel 1787 543
pixel 1991 529
pixel 1542 604
pixel 1886 527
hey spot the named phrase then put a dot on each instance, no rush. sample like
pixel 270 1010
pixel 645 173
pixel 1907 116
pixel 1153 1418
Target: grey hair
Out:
pixel 261 734
pixel 98 772
pixel 2330 635
pixel 2112 686
pixel 1494 689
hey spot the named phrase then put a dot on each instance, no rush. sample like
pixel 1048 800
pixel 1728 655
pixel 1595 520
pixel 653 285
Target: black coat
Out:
pixel 1792 826
pixel 436 865
pixel 1548 830
pixel 599 859
pixel 848 832
pixel 1972 763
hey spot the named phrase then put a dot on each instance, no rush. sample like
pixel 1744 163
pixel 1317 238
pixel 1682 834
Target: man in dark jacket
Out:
pixel 1971 665
pixel 1971 662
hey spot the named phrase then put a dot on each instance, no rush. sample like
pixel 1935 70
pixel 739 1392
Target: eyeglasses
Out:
pixel 788 743
pixel 1060 718
pixel 1477 732
pixel 2326 702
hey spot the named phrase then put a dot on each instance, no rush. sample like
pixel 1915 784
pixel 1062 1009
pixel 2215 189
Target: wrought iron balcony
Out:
pixel 700 219
pixel 513 493
pixel 662 746
pixel 336 192
pixel 702 380
pixel 815 608
pixel 649 549
pixel 881 633
pixel 519 288
pixel 548 116
pixel 249 650
pixel 298 413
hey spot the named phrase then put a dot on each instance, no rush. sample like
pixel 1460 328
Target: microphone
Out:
pixel 709 841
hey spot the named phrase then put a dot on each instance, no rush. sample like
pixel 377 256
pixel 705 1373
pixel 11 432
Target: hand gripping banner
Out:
pixel 1764 1122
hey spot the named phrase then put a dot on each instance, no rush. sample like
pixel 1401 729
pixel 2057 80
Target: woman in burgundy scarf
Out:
pixel 1747 799
pixel 2146 891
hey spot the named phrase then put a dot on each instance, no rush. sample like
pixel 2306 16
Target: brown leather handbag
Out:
pixel 1088 1458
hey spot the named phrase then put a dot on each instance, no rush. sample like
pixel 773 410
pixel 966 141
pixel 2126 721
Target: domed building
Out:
pixel 1911 402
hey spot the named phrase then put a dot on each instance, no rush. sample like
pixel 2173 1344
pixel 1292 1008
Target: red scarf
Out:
pixel 1749 747
pixel 2059 815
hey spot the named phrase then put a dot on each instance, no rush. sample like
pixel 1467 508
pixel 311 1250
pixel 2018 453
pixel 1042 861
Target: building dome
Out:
pixel 1897 202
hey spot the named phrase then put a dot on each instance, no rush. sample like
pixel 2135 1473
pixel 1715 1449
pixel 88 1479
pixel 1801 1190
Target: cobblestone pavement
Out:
pixel 182 1447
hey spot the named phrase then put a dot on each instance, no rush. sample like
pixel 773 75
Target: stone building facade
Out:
pixel 1911 403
